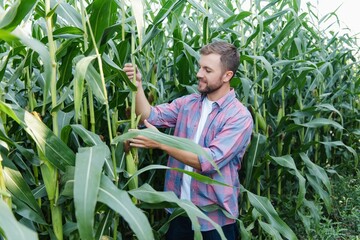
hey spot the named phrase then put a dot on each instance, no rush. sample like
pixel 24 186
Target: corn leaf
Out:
pixel 320 191
pixel 320 122
pixel 119 70
pixel 288 162
pixel 92 139
pixel 103 15
pixel 55 150
pixel 284 33
pixel 68 14
pixel 80 72
pixel 266 64
pixel 88 168
pixel 316 171
pixel 138 13
pixel 42 50
pixel 270 230
pixel 22 195
pixel 11 227
pixel 234 19
pixel 256 147
pixel 263 206
pixel 341 144
pixel 166 9
pixel 172 141
pixel 16 13
pixel 196 176
pixel 119 201
pixel 147 194
pixel 93 78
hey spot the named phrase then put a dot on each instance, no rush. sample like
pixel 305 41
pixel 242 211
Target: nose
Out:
pixel 199 74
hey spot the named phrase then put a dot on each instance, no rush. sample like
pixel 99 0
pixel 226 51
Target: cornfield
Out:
pixel 66 107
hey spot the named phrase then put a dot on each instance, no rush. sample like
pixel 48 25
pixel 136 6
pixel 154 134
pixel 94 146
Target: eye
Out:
pixel 208 70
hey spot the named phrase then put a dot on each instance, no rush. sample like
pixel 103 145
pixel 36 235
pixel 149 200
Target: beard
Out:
pixel 208 88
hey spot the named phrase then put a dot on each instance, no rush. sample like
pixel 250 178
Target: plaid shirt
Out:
pixel 226 134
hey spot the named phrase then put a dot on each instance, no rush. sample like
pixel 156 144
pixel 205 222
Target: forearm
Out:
pixel 186 157
pixel 143 107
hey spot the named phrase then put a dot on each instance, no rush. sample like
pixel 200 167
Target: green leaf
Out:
pixel 11 227
pixel 263 206
pixel 320 122
pixel 49 175
pixel 68 14
pixel 256 147
pixel 103 15
pixel 7 36
pixel 120 71
pixel 288 162
pixel 172 141
pixel 138 13
pixel 92 139
pixel 88 168
pixel 166 9
pixel 322 193
pixel 80 72
pixel 55 150
pixel 219 9
pixel 196 176
pixel 94 80
pixel 341 144
pixel 16 13
pixel 270 230
pixel 191 51
pixel 119 201
pixel 68 32
pixel 234 19
pixel 44 54
pixel 147 194
pixel 267 66
pixel 17 186
pixel 316 171
pixel 284 33
pixel 151 34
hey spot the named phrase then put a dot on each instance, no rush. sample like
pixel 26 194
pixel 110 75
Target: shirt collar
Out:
pixel 225 100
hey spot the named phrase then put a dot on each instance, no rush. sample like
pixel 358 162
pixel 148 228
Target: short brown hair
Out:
pixel 229 55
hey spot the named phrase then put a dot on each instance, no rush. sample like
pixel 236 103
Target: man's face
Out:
pixel 210 74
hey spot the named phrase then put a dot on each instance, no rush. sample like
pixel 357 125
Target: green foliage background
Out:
pixel 66 107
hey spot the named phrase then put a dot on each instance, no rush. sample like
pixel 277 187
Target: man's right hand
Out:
pixel 129 69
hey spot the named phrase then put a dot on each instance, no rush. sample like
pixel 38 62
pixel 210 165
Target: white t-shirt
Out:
pixel 205 111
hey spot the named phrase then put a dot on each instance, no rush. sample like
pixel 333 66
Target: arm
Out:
pixel 142 104
pixel 183 156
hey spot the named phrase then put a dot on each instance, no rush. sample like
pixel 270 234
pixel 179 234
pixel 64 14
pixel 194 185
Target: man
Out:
pixel 218 122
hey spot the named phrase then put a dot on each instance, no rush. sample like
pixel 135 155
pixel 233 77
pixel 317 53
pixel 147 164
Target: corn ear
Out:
pixel 261 121
pixel 131 168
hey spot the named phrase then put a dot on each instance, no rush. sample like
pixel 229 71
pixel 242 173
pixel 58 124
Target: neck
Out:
pixel 214 96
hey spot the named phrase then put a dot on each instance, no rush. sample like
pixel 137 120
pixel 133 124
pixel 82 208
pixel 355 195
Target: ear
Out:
pixel 227 76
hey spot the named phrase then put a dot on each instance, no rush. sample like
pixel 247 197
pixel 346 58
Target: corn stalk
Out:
pixel 51 179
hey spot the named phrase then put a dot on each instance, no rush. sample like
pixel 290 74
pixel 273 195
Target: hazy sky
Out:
pixel 348 12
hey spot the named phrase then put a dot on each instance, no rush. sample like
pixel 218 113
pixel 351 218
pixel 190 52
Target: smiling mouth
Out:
pixel 201 80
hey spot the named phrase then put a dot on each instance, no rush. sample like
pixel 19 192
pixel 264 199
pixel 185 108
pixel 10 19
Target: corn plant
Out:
pixel 66 107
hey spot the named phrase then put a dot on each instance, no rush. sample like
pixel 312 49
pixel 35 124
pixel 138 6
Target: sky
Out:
pixel 348 13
